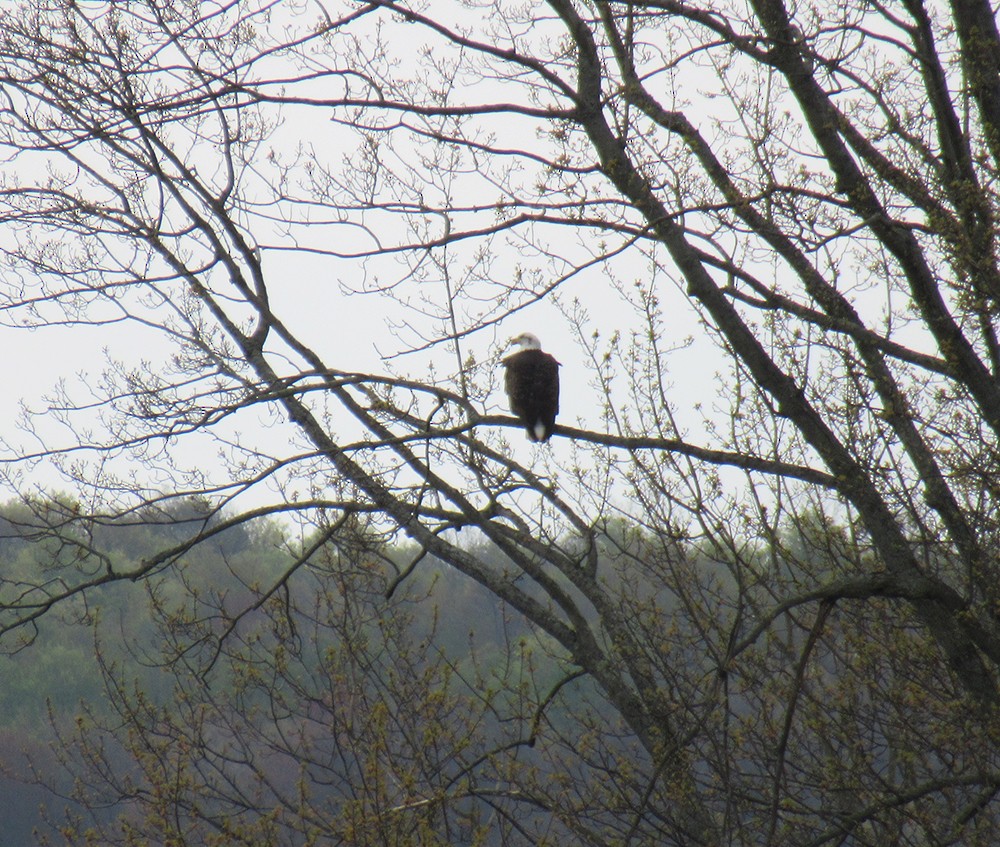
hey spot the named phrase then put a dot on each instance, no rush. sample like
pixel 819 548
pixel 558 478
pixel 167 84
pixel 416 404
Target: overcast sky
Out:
pixel 358 332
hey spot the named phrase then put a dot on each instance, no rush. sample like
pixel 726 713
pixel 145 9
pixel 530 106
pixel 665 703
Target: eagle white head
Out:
pixel 526 341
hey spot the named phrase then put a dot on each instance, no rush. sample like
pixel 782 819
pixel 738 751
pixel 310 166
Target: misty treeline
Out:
pixel 278 688
pixel 267 255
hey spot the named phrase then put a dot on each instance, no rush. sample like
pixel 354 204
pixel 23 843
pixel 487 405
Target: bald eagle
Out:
pixel 532 383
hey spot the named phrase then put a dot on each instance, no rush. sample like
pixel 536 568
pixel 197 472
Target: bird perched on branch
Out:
pixel 532 383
